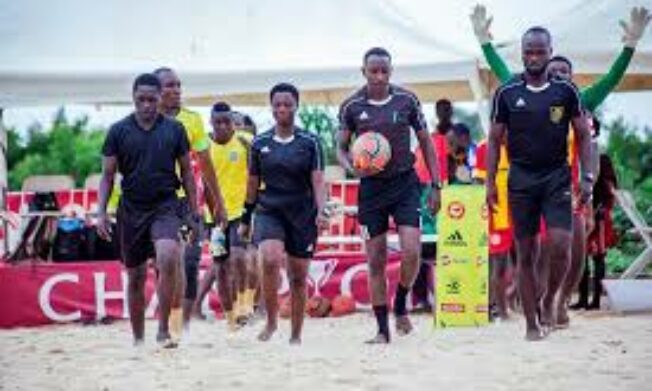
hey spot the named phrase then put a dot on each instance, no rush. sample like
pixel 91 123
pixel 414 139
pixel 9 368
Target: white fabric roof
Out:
pixel 72 51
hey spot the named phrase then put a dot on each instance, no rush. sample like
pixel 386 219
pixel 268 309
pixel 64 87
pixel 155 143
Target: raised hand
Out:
pixel 634 29
pixel 481 24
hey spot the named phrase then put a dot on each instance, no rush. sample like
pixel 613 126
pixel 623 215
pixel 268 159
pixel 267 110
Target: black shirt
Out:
pixel 147 158
pixel 537 121
pixel 285 168
pixel 394 118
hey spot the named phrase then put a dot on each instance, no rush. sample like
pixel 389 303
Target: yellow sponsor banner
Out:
pixel 462 270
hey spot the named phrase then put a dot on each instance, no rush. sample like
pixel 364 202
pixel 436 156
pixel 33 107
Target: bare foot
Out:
pixel 535 334
pixel 563 321
pixel 242 320
pixel 267 333
pixel 295 341
pixel 165 341
pixel 403 325
pixel 379 339
pixel 197 314
pixel 545 317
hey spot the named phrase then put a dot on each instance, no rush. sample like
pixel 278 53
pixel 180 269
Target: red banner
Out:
pixel 39 294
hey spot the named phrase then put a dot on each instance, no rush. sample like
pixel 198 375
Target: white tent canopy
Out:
pixel 74 51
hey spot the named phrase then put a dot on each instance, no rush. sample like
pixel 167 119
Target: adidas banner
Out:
pixel 462 258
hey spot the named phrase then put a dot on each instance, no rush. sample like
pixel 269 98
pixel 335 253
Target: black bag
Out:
pixel 100 249
pixel 70 242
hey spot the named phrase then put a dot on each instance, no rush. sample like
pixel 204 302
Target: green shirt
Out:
pixel 592 96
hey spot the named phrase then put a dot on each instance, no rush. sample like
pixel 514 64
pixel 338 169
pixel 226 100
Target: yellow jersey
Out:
pixel 194 126
pixel 195 132
pixel 230 161
pixel 501 219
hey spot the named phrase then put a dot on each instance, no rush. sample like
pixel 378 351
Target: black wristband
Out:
pixel 248 213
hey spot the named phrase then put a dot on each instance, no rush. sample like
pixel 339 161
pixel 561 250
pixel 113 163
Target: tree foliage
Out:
pixel 321 121
pixel 68 147
pixel 630 150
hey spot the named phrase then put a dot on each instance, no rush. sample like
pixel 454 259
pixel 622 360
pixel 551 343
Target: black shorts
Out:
pixel 380 198
pixel 232 240
pixel 534 194
pixel 298 231
pixel 138 229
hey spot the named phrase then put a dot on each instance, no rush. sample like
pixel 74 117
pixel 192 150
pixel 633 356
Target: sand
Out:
pixel 599 352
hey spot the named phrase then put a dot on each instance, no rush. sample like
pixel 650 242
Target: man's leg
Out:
pixel 410 240
pixel 224 276
pixel 499 264
pixel 176 306
pixel 583 289
pixel 525 251
pixel 376 249
pixel 542 260
pixel 204 288
pixel 168 260
pixel 598 275
pixel 297 270
pixel 575 269
pixel 240 282
pixel 560 252
pixel 192 256
pixel 136 301
pixel 253 279
pixel 239 270
pixel 556 206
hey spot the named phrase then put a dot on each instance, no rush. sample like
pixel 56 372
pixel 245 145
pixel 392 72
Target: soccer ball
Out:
pixel 318 307
pixel 371 150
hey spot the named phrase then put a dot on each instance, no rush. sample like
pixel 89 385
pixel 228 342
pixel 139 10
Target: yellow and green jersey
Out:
pixel 230 161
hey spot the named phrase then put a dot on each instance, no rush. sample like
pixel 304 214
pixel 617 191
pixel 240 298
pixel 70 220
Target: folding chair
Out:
pixel 628 294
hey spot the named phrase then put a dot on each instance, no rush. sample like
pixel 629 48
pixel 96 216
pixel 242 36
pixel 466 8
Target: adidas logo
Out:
pixel 520 102
pixel 364 115
pixel 456 240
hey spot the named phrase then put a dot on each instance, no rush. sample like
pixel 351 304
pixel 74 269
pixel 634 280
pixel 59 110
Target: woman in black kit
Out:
pixel 286 191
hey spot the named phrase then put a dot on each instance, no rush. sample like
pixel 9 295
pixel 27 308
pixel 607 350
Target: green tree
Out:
pixel 630 150
pixel 321 121
pixel 68 147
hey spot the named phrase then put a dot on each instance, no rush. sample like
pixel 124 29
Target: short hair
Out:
pixel 562 59
pixel 461 129
pixel 443 102
pixel 146 79
pixel 284 87
pixel 376 51
pixel 221 107
pixel 160 70
pixel 597 126
pixel 538 30
pixel 248 121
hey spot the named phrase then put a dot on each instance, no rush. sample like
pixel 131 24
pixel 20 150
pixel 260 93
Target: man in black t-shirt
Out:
pixel 145 148
pixel 534 111
pixel 395 113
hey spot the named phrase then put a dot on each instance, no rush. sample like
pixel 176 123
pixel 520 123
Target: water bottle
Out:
pixel 218 242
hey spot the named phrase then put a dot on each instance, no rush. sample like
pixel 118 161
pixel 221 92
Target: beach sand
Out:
pixel 599 352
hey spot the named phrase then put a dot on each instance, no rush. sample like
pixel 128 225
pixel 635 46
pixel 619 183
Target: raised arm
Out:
pixel 109 169
pixel 497 133
pixel 481 24
pixel 188 182
pixel 596 93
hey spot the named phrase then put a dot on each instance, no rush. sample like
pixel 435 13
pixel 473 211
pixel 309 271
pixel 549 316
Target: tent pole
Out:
pixel 3 183
pixel 480 94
